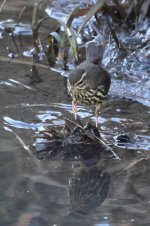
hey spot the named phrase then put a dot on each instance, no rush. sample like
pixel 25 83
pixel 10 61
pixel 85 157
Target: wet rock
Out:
pixel 125 137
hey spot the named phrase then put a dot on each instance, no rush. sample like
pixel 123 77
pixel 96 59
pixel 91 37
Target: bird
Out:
pixel 88 84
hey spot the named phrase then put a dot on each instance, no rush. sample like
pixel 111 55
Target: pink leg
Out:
pixel 96 121
pixel 74 106
pixel 97 113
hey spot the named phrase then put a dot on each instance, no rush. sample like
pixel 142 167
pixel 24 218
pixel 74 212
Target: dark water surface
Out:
pixel 36 192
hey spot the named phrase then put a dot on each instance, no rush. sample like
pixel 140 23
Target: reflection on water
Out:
pixel 18 124
pixel 88 188
pixel 20 28
pixel 43 190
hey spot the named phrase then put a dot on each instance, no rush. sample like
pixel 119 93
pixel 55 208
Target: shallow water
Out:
pixel 36 192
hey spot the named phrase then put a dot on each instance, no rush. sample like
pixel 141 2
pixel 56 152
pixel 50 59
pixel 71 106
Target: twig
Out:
pixel 107 147
pixel 73 122
pixel 143 11
pixel 20 14
pixel 132 164
pixel 84 11
pixel 35 27
pixel 14 41
pixel 19 61
pixel 112 30
pixel 101 141
pixel 20 140
pixel 25 147
pixel 2 5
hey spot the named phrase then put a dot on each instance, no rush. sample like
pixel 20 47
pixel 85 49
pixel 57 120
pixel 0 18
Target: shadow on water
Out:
pixel 74 190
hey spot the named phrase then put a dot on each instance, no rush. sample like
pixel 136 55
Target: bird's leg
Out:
pixel 96 121
pixel 97 113
pixel 74 107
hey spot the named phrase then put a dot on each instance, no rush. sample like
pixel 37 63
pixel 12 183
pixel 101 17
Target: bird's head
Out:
pixel 77 80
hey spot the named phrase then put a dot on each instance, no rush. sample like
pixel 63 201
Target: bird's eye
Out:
pixel 82 80
pixel 79 83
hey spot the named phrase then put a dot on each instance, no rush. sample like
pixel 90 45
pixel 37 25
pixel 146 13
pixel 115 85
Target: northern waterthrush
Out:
pixel 89 84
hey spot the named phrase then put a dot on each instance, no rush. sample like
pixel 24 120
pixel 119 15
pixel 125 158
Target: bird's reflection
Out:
pixel 88 188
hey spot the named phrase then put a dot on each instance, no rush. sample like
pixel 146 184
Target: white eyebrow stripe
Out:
pixel 84 74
